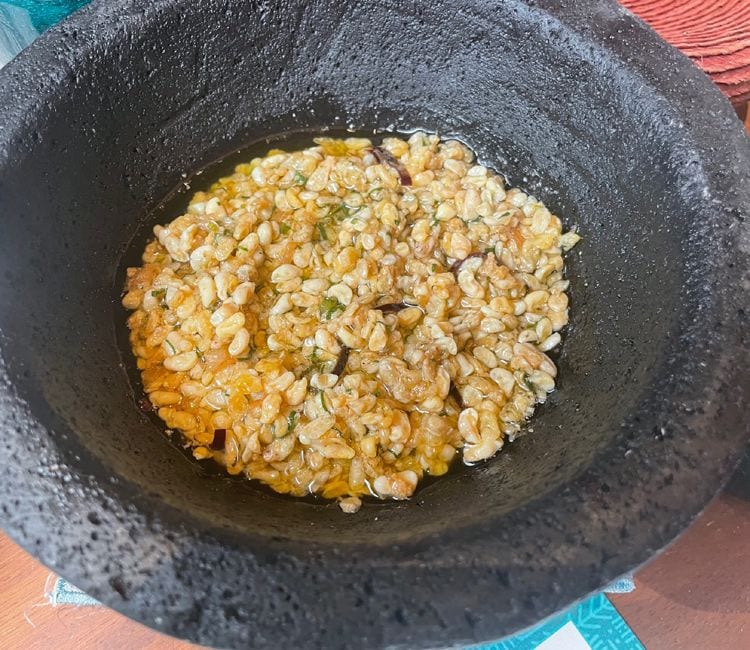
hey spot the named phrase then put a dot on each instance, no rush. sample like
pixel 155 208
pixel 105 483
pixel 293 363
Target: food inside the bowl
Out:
pixel 346 319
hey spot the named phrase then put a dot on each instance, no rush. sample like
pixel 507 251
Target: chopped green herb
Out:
pixel 398 222
pixel 489 249
pixel 291 421
pixel 329 306
pixel 373 190
pixel 507 213
pixel 323 402
pixel 227 232
pixel 340 212
pixel 317 363
pixel 213 227
pixel 434 267
pixel 171 347
pixel 299 179
pixel 159 293
pixel 284 228
pixel 434 222
pixel 378 393
pixel 337 213
pixel 242 248
pixel 201 357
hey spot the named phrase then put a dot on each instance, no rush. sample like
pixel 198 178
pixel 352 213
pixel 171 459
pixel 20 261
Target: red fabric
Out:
pixel 742 101
pixel 735 90
pixel 733 76
pixel 715 34
pixel 734 61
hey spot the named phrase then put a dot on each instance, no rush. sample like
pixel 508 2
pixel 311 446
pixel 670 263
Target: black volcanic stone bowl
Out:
pixel 579 103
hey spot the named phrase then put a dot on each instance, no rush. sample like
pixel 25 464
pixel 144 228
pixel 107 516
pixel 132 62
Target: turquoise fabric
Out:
pixel 596 620
pixel 65 593
pixel 45 13
pixel 16 31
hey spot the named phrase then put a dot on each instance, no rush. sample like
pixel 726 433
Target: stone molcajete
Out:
pixel 105 115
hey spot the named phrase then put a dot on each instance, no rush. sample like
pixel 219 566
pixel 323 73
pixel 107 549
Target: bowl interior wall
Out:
pixel 179 99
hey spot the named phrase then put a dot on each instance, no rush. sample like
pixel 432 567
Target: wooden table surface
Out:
pixel 695 595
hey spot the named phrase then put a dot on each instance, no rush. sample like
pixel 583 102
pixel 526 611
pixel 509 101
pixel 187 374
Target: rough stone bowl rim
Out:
pixel 22 96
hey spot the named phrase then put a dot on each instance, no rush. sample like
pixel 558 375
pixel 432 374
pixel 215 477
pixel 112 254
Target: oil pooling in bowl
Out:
pixel 347 318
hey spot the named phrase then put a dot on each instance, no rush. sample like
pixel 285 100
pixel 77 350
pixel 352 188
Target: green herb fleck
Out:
pixel 322 231
pixel 291 421
pixel 329 306
pixel 434 222
pixel 340 212
pixel 323 402
pixel 434 267
pixel 489 249
pixel 398 222
pixel 159 293
pixel 242 248
pixel 378 393
pixel 171 347
pixel 202 357
pixel 299 179
pixel 284 228
pixel 227 232
pixel 213 227
pixel 317 363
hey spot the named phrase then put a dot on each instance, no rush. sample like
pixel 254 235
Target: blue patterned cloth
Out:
pixel 622 586
pixel 16 31
pixel 45 13
pixel 593 624
pixel 65 593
